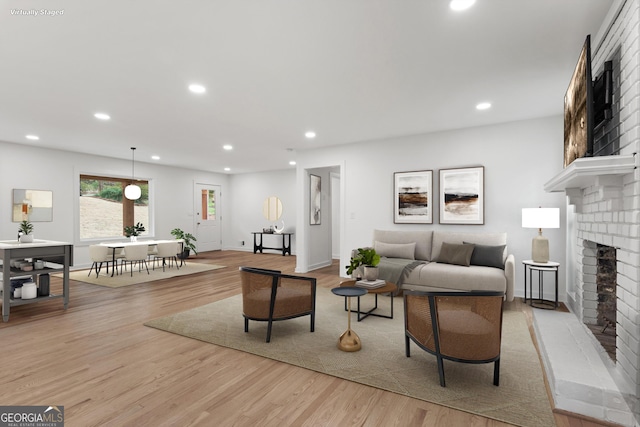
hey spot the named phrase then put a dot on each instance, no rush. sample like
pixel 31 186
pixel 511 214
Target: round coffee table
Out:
pixel 388 288
pixel 349 340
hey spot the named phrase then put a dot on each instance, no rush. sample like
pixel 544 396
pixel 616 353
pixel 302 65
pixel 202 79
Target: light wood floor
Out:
pixel 98 361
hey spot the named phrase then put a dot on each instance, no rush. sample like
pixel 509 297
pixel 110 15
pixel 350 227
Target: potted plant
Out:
pixel 133 231
pixel 368 258
pixel 188 239
pixel 25 231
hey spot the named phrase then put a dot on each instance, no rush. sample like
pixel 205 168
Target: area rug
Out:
pixel 126 279
pixel 520 399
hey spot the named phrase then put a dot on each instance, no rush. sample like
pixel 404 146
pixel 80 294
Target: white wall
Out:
pixel 23 166
pixel 247 193
pixel 518 157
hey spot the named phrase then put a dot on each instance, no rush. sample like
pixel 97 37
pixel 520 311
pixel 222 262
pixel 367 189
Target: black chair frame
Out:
pixel 434 321
pixel 275 276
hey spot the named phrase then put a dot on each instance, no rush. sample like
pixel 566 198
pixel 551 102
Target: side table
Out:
pixel 541 268
pixel 349 340
pixel 388 288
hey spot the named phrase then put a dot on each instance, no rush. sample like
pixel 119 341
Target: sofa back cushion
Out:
pixel 488 256
pixel 489 239
pixel 396 250
pixel 453 253
pixel 422 240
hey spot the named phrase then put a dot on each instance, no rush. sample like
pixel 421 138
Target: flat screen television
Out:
pixel 578 109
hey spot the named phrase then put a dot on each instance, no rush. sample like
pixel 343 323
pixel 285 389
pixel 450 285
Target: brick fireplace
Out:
pixel 603 208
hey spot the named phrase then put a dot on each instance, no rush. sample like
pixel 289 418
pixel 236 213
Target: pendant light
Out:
pixel 132 191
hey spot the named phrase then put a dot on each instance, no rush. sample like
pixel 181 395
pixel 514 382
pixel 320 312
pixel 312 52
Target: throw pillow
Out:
pixel 489 256
pixel 458 254
pixel 396 250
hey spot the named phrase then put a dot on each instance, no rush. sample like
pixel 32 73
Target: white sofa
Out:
pixel 440 260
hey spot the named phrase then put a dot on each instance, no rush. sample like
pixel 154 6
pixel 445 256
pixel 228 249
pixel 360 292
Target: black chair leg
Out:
pixel 246 324
pixel 407 352
pixel 441 371
pixel 269 330
pixel 496 373
pixel 313 321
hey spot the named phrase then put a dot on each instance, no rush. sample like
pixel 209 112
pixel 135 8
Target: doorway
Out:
pixel 207 217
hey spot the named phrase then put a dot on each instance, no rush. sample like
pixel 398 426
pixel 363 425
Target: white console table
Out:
pixel 58 256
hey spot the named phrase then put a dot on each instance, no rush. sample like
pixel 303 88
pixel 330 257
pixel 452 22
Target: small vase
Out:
pixel 370 273
pixel 134 239
pixel 26 238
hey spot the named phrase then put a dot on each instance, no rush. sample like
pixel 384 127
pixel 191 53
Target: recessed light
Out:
pixel 483 106
pixel 227 169
pixel 155 157
pixel 197 88
pixel 459 5
pixel 102 116
pixel 292 162
pixel 310 134
pixel 227 147
pixel 32 137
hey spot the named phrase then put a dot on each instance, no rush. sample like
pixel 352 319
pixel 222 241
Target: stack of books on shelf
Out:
pixel 370 284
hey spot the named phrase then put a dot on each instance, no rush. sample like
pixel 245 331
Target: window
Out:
pixel 104 212
pixel 208 199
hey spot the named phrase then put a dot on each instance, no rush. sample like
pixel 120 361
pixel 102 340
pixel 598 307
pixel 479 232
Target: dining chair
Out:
pixel 136 253
pixel 116 255
pixel 99 254
pixel 152 252
pixel 167 250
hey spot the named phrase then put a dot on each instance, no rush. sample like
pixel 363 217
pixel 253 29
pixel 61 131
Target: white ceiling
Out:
pixel 351 70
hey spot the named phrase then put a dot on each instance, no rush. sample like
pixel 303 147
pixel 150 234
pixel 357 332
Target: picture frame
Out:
pixel 462 196
pixel 413 197
pixel 32 205
pixel 315 199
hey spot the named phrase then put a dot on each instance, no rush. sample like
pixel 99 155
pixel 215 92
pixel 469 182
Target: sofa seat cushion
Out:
pixel 455 277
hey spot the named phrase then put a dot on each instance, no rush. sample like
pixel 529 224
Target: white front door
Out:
pixel 208 224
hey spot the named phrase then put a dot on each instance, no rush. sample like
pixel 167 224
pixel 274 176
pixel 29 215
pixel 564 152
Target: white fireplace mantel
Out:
pixel 588 171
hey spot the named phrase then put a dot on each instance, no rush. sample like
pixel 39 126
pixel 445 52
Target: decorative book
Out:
pixel 371 284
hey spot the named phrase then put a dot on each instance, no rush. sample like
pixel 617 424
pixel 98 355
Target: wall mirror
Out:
pixel 272 208
pixel 32 205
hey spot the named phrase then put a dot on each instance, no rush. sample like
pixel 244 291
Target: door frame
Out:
pixel 196 200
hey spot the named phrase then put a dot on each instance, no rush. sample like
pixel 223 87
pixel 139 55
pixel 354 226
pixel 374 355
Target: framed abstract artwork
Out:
pixel 315 199
pixel 32 205
pixel 413 197
pixel 462 196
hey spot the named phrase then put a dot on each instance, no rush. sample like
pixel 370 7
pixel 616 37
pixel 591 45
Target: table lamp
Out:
pixel 540 218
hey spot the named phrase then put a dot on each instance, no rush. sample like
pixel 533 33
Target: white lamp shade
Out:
pixel 541 218
pixel 132 192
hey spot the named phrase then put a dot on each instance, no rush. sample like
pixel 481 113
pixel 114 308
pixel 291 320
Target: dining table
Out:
pixel 123 245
